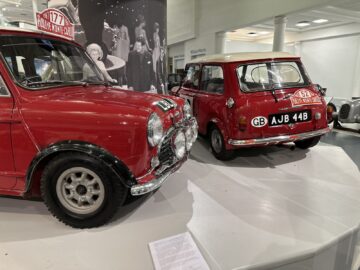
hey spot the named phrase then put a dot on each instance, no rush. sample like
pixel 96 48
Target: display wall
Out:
pixel 127 38
pixel 331 56
pixel 333 64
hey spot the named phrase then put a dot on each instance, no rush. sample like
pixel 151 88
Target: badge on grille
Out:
pixel 166 104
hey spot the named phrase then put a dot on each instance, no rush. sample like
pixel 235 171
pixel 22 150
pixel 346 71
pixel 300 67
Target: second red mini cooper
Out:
pixel 254 99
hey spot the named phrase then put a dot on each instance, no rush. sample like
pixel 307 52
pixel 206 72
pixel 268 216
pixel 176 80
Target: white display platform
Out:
pixel 271 208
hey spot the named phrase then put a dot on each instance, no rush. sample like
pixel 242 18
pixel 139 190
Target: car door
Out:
pixel 210 101
pixel 7 170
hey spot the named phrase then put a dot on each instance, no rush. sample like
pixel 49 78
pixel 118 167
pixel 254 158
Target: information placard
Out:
pixel 177 252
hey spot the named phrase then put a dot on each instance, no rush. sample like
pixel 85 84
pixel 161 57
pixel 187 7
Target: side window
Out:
pixel 212 79
pixel 4 92
pixel 192 77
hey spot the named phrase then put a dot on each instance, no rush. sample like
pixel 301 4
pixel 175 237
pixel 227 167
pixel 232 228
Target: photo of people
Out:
pixel 125 38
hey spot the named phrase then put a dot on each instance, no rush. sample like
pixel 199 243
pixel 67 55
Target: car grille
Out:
pixel 166 154
pixel 344 111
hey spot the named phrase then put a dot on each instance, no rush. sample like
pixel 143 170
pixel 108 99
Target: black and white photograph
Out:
pixel 127 39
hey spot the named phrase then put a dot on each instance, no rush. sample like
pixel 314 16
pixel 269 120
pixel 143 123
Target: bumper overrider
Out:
pixel 280 139
pixel 168 159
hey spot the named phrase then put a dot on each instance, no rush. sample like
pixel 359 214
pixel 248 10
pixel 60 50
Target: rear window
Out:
pixel 271 75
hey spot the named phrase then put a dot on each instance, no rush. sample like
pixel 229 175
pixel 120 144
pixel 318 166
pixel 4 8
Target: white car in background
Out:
pixel 344 112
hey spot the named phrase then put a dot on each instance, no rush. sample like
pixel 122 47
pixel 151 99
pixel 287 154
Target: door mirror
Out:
pixel 321 89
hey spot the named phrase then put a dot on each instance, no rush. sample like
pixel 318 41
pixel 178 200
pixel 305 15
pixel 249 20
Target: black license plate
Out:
pixel 289 118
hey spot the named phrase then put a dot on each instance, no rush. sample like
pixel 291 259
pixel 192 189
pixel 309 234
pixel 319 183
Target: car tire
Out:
pixel 217 144
pixel 81 191
pixel 308 143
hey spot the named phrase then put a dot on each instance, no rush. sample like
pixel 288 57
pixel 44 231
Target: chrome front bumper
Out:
pixel 155 183
pixel 279 139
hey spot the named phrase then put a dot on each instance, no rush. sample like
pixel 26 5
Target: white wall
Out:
pixel 197 22
pixel 332 56
pixel 180 20
pixel 333 63
pixel 233 46
pixel 176 50
pixel 187 18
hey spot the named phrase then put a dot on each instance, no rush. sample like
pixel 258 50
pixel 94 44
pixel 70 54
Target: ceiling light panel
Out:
pixel 319 21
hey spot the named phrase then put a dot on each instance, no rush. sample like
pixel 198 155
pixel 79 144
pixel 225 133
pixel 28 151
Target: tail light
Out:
pixel 329 113
pixel 242 123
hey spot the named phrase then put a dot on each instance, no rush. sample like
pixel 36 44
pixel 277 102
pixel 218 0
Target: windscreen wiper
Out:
pixel 45 82
pixel 83 83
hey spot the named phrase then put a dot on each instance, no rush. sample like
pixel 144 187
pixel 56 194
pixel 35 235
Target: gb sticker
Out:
pixel 259 121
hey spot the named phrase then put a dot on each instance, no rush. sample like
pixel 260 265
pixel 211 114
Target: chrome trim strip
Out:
pixel 279 139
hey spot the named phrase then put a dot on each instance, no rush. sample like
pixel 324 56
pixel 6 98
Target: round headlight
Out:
pixel 189 138
pixel 195 128
pixel 180 145
pixel 187 109
pixel 155 130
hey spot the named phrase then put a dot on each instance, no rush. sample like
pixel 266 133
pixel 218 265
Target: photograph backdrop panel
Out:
pixel 126 38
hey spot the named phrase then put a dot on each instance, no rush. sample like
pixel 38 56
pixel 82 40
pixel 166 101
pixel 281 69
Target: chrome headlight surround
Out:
pixel 179 144
pixel 187 110
pixel 195 130
pixel 189 138
pixel 155 130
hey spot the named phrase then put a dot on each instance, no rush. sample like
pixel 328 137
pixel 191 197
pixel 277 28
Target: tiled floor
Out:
pixel 266 206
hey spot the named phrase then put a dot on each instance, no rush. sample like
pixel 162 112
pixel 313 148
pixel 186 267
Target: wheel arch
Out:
pixel 37 165
pixel 216 122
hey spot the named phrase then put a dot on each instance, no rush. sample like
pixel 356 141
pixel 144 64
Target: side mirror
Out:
pixel 321 90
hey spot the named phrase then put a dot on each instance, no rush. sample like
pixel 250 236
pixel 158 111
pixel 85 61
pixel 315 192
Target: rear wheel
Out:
pixel 308 143
pixel 80 192
pixel 217 143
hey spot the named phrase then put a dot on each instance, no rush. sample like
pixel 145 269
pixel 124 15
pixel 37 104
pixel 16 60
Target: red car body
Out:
pixel 242 116
pixel 106 123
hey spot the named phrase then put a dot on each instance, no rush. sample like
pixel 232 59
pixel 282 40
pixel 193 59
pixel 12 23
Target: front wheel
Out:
pixel 308 143
pixel 80 192
pixel 217 143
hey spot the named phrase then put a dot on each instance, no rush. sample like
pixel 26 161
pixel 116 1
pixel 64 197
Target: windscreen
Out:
pixel 41 63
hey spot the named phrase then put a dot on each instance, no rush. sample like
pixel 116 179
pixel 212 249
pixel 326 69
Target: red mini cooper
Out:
pixel 254 99
pixel 67 135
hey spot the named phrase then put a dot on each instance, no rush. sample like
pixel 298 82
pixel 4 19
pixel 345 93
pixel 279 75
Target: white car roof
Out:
pixel 240 57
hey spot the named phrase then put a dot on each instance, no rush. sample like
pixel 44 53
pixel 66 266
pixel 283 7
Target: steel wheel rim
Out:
pixel 216 141
pixel 80 190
